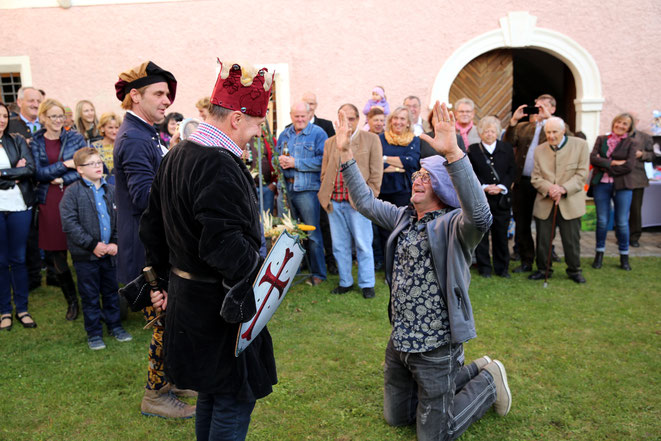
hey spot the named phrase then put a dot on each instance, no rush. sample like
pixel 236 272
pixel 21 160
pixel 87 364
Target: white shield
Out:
pixel 272 283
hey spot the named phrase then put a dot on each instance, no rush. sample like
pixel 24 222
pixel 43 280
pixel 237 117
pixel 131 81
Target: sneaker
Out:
pixel 96 343
pixel 482 362
pixel 165 405
pixel 120 334
pixel 503 401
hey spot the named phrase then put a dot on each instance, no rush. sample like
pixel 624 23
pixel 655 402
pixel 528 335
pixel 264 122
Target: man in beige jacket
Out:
pixel 559 175
pixel 346 224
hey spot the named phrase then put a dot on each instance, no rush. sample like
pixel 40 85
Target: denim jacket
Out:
pixel 452 237
pixel 307 149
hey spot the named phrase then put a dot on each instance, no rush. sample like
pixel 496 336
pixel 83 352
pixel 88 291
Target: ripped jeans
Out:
pixel 436 391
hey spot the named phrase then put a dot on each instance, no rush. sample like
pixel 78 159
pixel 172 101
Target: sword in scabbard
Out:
pixel 151 278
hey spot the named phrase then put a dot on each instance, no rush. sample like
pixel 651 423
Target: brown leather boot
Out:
pixel 165 405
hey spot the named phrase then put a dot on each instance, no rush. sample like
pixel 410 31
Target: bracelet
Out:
pixel 385 158
pixel 347 164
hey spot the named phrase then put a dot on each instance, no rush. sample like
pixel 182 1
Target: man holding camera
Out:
pixel 525 137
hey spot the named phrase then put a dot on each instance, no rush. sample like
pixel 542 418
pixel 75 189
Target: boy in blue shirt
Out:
pixel 89 218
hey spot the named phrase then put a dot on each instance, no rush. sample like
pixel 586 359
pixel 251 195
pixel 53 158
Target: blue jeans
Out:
pixel 436 391
pixel 98 277
pixel 221 417
pixel 346 224
pixel 603 193
pixel 14 229
pixel 305 206
pixel 268 199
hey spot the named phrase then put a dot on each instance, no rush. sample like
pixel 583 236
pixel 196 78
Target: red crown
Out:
pixel 246 94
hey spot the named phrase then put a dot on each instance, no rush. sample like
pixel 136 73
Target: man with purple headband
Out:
pixel 428 256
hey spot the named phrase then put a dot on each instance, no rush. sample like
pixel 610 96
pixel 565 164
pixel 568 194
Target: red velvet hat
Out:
pixel 238 89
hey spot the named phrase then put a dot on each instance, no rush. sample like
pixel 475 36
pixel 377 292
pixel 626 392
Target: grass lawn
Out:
pixel 583 364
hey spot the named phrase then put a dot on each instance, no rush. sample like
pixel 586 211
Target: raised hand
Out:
pixel 343 137
pixel 445 138
pixel 518 114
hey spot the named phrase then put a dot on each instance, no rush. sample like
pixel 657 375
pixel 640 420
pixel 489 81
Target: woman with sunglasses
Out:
pixel 53 149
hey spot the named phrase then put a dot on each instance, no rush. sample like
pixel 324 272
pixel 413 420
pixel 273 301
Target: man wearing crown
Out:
pixel 202 229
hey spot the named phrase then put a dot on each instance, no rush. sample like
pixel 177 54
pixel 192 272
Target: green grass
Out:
pixel 583 364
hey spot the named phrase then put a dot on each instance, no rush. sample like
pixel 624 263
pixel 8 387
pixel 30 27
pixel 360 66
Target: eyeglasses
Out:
pixel 57 117
pixel 423 175
pixel 93 164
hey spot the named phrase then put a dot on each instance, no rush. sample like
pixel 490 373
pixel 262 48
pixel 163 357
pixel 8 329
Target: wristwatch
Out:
pixel 385 158
pixel 347 164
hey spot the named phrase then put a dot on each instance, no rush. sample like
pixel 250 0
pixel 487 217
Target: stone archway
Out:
pixel 519 30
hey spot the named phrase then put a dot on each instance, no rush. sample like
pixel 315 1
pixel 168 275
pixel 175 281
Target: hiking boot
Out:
pixel 482 362
pixel 96 343
pixel 503 401
pixel 120 334
pixel 165 405
pixel 183 393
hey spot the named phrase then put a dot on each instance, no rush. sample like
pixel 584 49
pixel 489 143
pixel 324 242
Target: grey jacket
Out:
pixel 453 237
pixel 80 221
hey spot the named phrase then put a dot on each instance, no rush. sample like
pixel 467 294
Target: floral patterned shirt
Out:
pixel 419 312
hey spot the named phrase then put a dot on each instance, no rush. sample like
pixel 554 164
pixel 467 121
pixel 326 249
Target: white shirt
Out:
pixel 530 156
pixel 417 127
pixel 12 198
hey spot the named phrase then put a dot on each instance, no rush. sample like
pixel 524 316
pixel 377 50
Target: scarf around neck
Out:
pixel 613 141
pixel 394 139
pixel 463 131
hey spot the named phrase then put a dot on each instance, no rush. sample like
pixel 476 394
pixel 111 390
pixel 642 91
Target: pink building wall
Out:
pixel 338 49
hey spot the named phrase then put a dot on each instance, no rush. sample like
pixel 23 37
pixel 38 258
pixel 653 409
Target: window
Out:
pixel 11 82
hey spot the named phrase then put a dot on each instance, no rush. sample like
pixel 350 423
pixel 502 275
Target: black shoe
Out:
pixel 505 275
pixel 485 275
pixel 634 243
pixel 31 324
pixel 578 278
pixel 515 257
pixel 523 268
pixel 598 260
pixel 368 293
pixel 341 289
pixel 624 262
pixel 539 275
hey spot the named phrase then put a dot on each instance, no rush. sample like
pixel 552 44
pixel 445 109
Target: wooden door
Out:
pixel 487 80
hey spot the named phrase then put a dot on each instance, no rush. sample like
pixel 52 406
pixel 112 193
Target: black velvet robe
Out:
pixel 203 218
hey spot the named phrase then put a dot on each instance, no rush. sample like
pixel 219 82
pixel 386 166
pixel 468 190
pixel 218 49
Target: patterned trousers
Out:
pixel 156 369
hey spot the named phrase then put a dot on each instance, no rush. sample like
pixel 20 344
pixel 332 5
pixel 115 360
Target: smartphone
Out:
pixel 532 110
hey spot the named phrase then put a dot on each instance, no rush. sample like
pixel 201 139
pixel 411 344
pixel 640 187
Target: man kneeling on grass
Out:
pixel 428 256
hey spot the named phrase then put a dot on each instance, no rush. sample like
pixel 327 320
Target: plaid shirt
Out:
pixel 208 135
pixel 340 192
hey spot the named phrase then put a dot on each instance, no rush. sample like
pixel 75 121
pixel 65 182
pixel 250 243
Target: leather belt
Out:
pixel 193 277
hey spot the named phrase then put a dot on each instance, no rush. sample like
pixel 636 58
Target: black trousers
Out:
pixel 523 200
pixel 32 254
pixel 499 245
pixel 570 233
pixel 636 215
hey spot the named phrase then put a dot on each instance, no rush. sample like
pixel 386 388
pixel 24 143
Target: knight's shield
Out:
pixel 272 283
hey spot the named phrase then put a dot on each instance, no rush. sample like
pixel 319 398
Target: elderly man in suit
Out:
pixel 346 224
pixel 559 174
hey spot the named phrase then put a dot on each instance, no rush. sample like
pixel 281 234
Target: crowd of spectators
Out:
pixel 517 166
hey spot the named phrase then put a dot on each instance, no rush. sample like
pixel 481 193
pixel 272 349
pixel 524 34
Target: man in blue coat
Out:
pixel 145 91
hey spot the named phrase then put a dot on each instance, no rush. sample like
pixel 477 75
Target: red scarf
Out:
pixel 464 131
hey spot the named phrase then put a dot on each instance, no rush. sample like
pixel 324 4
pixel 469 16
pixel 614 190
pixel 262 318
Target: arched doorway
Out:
pixel 519 30
pixel 501 80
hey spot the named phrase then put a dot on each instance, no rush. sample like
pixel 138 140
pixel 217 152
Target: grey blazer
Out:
pixel 453 237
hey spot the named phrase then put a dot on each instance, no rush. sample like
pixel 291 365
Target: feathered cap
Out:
pixel 243 88
pixel 144 75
